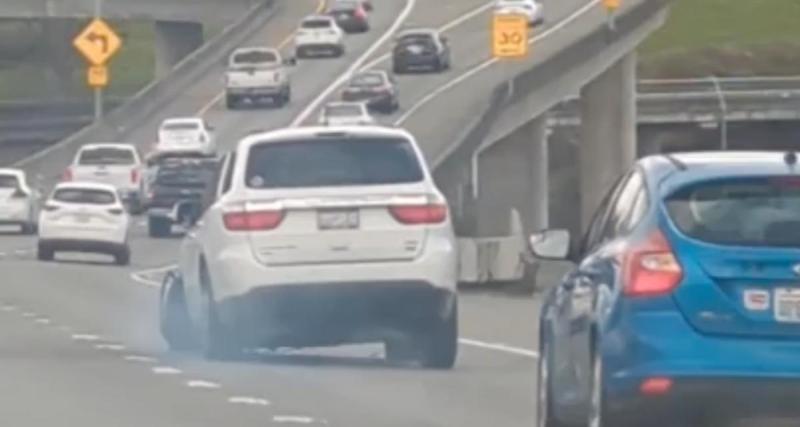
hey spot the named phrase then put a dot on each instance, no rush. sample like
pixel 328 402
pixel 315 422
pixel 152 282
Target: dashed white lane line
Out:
pixel 499 347
pixel 489 62
pixel 293 419
pixel 140 359
pixel 8 308
pixel 355 66
pixel 64 328
pixel 143 275
pixel 202 384
pixel 247 400
pixel 166 370
pixel 43 321
pixel 29 315
pixel 110 347
pixel 85 337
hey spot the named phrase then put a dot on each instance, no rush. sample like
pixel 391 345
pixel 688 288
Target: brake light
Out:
pixel 67 176
pixel 134 176
pixel 655 386
pixel 252 221
pixel 651 269
pixel 360 14
pixel 419 214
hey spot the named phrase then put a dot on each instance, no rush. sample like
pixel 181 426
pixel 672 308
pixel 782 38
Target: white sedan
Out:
pixel 190 134
pixel 84 217
pixel 19 203
pixel 531 9
pixel 320 236
pixel 346 114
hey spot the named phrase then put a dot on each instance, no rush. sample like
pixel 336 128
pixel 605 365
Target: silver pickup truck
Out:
pixel 256 75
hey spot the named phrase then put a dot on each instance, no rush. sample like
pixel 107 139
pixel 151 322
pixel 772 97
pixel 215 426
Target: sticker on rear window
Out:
pixel 756 299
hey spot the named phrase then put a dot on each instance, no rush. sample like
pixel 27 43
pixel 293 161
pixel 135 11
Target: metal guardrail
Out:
pixel 719 84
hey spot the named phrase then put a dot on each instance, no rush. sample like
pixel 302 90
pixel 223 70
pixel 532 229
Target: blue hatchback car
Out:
pixel 683 308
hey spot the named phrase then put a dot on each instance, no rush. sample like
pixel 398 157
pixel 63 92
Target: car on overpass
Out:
pixel 375 87
pixel 345 114
pixel 84 217
pixel 19 201
pixel 188 134
pixel 532 10
pixel 257 74
pixel 319 35
pixel 320 236
pixel 683 306
pixel 115 164
pixel 420 48
pixel 351 15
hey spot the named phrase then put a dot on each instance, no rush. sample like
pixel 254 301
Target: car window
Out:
pixel 333 162
pixel 9 181
pixel 343 110
pixel 316 23
pixel 594 234
pixel 180 126
pixel 742 212
pixel 106 156
pixel 254 57
pixel 416 38
pixel 84 196
pixel 227 180
pixel 618 219
pixel 372 79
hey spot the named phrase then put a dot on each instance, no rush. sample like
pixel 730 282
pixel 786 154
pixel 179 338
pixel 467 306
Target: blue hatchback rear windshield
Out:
pixel 761 211
pixel 332 162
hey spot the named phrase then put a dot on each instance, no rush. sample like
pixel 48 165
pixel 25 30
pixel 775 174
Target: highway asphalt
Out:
pixel 130 378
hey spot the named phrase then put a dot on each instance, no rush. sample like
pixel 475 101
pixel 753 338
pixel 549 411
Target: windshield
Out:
pixel 9 182
pixel 416 38
pixel 84 196
pixel 180 126
pixel 107 156
pixel 332 162
pixel 367 80
pixel 316 23
pixel 343 110
pixel 254 57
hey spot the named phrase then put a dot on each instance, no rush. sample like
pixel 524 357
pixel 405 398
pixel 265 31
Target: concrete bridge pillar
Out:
pixel 175 40
pixel 513 174
pixel 608 132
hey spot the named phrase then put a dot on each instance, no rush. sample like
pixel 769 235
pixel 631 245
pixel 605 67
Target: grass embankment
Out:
pixel 725 38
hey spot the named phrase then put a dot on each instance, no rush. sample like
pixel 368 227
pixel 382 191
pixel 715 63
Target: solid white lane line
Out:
pixel 139 359
pixel 141 276
pixel 293 419
pixel 85 337
pixel 110 347
pixel 499 347
pixel 218 97
pixel 355 65
pixel 166 370
pixel 447 27
pixel 489 62
pixel 202 384
pixel 247 400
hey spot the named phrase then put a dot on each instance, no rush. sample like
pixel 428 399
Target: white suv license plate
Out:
pixel 787 305
pixel 344 219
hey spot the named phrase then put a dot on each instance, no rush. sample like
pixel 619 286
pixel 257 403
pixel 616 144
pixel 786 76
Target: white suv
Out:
pixel 84 217
pixel 319 34
pixel 320 236
pixel 189 134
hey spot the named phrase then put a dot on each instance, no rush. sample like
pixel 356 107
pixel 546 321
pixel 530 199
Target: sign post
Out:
pixel 509 36
pixel 98 43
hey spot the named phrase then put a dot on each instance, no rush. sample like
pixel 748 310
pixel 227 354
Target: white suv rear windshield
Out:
pixel 741 212
pixel 254 57
pixel 333 162
pixel 343 110
pixel 84 196
pixel 316 23
pixel 107 156
pixel 180 126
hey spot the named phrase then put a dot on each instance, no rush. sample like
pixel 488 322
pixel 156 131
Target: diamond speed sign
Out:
pixel 509 36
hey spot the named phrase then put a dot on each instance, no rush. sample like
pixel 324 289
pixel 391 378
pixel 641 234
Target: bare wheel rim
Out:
pixel 596 409
pixel 543 389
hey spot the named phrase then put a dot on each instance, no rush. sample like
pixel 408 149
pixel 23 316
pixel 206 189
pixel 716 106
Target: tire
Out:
pixel 122 256
pixel 439 344
pixel 174 321
pixel 339 52
pixel 397 69
pixel 288 94
pixel 231 102
pixel 300 53
pixel 45 252
pixel 213 341
pixel 28 228
pixel 159 227
pixel 545 416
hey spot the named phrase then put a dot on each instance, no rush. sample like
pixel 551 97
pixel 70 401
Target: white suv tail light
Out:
pixel 260 220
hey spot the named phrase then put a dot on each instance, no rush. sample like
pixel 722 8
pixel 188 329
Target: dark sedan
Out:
pixel 376 88
pixel 420 49
pixel 351 16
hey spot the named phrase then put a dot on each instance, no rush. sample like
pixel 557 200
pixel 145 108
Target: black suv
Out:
pixel 375 87
pixel 420 49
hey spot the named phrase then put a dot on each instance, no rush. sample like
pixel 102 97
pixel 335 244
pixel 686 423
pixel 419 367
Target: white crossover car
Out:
pixel 319 236
pixel 191 134
pixel 531 9
pixel 319 34
pixel 345 114
pixel 84 217
pixel 19 202
pixel 118 165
